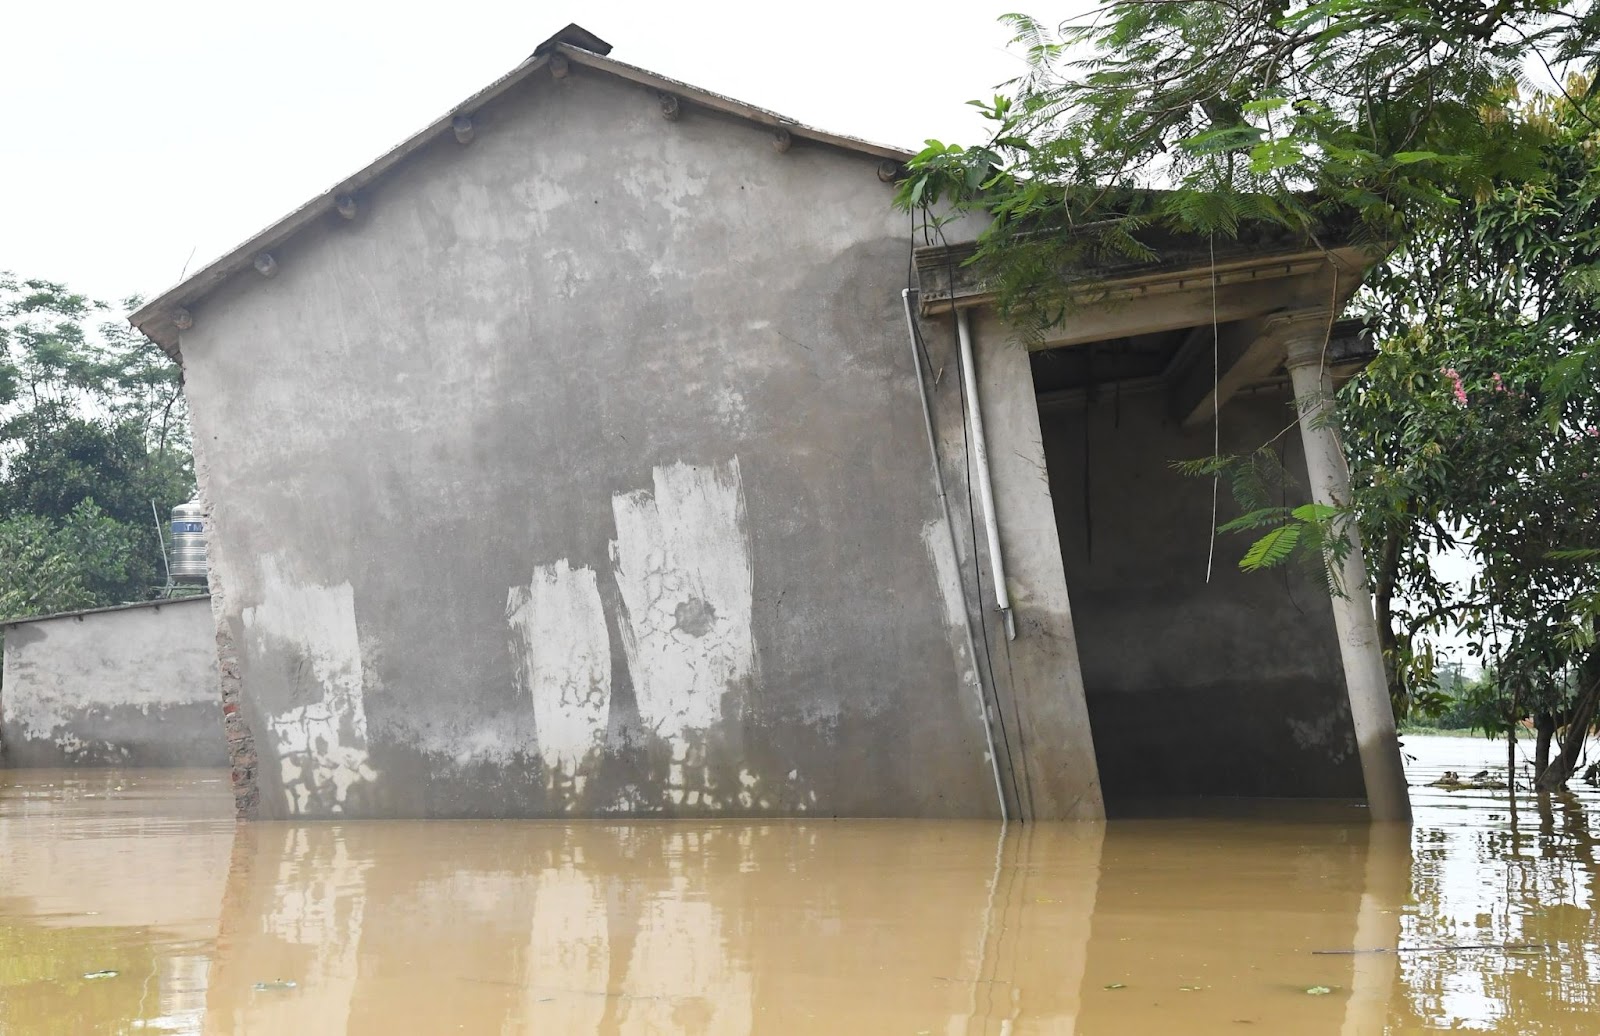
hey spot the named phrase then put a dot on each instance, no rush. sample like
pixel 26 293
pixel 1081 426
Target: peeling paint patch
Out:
pixel 562 656
pixel 322 745
pixel 682 564
pixel 937 544
pixel 1324 734
pixel 731 410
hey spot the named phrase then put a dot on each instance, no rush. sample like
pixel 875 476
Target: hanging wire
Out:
pixel 1216 409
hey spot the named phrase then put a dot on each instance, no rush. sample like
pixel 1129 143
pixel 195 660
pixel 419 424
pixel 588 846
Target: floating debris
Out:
pixel 1510 947
pixel 1318 990
pixel 1483 780
pixel 279 983
pixel 101 974
pixel 1116 985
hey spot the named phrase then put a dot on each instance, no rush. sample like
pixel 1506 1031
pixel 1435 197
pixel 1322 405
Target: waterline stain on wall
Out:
pixel 321 745
pixel 562 657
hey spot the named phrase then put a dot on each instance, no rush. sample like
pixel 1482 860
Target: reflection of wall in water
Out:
pixel 522 928
pixel 102 870
pixel 1211 926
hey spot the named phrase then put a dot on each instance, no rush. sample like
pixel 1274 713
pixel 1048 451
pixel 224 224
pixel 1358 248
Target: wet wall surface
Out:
pixel 133 901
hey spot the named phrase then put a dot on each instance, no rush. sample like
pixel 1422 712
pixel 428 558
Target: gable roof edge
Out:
pixel 730 105
pixel 157 318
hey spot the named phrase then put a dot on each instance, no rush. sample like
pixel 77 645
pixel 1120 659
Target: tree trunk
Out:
pixel 1555 776
pixel 1545 724
pixel 1388 640
pixel 1511 762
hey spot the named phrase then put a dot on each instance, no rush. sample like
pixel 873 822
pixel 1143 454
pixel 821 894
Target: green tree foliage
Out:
pixel 1477 429
pixel 92 431
pixel 1461 143
pixel 1229 116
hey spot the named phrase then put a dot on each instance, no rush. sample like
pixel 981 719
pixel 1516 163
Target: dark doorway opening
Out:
pixel 1227 688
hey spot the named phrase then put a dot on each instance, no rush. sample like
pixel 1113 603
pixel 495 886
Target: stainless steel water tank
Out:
pixel 189 543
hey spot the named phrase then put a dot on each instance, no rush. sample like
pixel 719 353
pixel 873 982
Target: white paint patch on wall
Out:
pixel 562 658
pixel 682 563
pixel 1329 733
pixel 323 744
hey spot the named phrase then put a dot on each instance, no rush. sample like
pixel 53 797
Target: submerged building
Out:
pixel 575 459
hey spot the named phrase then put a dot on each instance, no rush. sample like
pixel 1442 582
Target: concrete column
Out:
pixel 1043 710
pixel 1305 334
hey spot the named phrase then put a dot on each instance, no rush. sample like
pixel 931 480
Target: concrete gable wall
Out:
pixel 583 471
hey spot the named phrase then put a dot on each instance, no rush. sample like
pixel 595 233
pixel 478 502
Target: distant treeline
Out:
pixel 93 432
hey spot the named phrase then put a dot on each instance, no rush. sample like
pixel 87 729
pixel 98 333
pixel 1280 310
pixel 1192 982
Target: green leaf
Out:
pixel 1315 513
pixel 1226 138
pixel 1265 104
pixel 1258 519
pixel 1271 549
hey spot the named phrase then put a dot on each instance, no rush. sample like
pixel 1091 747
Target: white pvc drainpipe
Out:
pixel 980 451
pixel 955 554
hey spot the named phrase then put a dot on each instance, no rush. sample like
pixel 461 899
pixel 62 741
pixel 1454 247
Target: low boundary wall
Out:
pixel 132 685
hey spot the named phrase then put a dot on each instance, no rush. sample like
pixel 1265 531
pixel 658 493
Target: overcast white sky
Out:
pixel 142 132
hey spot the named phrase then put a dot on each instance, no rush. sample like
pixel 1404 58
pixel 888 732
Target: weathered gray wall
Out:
pixel 1040 727
pixel 584 472
pixel 1231 688
pixel 131 686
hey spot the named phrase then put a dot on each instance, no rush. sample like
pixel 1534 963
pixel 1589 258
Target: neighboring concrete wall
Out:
pixel 1231 688
pixel 584 473
pixel 130 686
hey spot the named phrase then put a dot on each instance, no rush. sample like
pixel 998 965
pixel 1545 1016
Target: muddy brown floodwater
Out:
pixel 130 901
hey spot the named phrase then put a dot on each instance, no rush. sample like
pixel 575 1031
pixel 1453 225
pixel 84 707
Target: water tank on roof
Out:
pixel 189 543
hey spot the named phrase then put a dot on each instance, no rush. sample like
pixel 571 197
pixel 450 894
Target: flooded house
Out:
pixel 607 448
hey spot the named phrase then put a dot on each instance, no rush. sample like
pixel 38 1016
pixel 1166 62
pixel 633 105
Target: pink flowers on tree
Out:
pixel 1458 390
